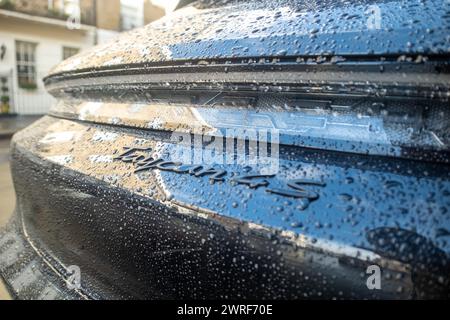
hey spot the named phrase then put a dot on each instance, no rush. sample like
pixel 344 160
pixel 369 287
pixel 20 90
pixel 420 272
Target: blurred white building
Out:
pixel 37 35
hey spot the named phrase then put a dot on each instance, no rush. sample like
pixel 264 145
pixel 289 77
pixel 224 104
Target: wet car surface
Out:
pixel 338 158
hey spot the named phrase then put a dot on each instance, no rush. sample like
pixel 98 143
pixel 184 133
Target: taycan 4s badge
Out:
pixel 143 161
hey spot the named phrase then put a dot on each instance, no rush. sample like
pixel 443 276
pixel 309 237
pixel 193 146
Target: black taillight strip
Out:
pixel 431 64
pixel 141 86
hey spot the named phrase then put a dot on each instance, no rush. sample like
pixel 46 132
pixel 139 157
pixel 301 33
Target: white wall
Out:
pixel 50 42
pixel 106 35
pixel 133 9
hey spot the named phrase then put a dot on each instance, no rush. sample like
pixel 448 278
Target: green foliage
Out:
pixel 57 14
pixel 28 85
pixel 4 99
pixel 6 4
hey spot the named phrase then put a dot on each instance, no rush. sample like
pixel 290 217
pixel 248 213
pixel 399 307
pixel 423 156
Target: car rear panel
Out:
pixel 161 234
pixel 212 30
pixel 223 176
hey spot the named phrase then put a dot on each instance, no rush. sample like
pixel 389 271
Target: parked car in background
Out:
pixel 243 150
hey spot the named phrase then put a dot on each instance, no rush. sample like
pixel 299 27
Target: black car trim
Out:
pixel 412 63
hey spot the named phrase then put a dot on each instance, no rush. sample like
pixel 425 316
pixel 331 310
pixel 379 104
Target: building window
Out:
pixel 64 8
pixel 131 14
pixel 71 7
pixel 69 52
pixel 26 64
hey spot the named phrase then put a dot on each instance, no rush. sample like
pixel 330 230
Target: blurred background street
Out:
pixel 7 196
pixel 37 35
pixel 9 125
